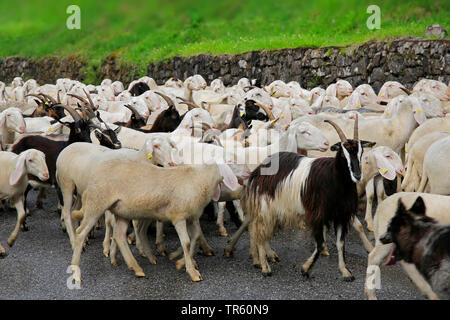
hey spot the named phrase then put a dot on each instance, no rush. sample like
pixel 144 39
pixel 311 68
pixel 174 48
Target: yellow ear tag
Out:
pixel 309 99
pixel 384 170
pixel 52 129
pixel 419 111
pixel 186 125
pixel 382 94
pixel 242 114
pixel 406 149
pixel 11 97
pixel 282 115
pixel 15 167
pixel 358 106
pixel 388 112
pixel 46 103
pixel 149 156
pixel 414 90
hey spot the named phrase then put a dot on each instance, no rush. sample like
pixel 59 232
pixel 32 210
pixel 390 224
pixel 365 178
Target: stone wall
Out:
pixel 405 60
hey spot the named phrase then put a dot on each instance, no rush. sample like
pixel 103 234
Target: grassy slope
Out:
pixel 143 31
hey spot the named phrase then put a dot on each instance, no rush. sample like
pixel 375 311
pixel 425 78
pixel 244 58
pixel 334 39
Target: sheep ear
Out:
pixel 18 170
pixel 331 90
pixel 149 149
pixel 292 140
pixel 285 117
pixel 318 102
pixel 229 179
pixel 385 167
pixel 354 102
pixel 216 195
pixel 2 119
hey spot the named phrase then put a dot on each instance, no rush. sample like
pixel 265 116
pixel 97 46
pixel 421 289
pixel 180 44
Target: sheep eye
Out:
pixel 156 146
pixel 30 160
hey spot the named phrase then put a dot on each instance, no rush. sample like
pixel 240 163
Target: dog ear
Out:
pixel 335 147
pixel 401 209
pixel 418 206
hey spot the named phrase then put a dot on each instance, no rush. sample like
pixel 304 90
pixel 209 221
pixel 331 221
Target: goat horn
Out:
pixel 355 130
pixel 266 110
pixel 136 114
pixel 78 97
pixel 72 112
pixel 205 126
pixel 338 130
pixel 405 90
pixel 58 96
pixel 168 100
pixel 101 120
pixel 89 98
pixel 273 123
pixel 190 104
pixel 36 95
pixel 53 101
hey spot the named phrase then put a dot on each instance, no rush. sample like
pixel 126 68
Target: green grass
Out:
pixel 142 31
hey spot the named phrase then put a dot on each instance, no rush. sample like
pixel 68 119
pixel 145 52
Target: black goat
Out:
pixel 320 190
pixel 139 88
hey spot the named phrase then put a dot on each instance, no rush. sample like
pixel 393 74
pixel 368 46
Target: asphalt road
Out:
pixel 36 265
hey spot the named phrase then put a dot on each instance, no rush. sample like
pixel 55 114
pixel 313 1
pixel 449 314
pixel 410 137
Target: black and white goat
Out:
pixel 322 191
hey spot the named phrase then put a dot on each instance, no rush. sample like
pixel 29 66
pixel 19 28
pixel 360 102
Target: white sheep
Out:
pixel 340 89
pixel 436 167
pixel 416 156
pixel 177 195
pixel 11 119
pixel 14 180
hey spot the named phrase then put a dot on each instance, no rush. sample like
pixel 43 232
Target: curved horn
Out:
pixel 266 110
pixel 58 96
pixel 136 114
pixel 78 97
pixel 355 130
pixel 273 123
pixel 89 98
pixel 338 130
pixel 405 90
pixel 72 112
pixel 190 105
pixel 53 101
pixel 35 95
pixel 101 120
pixel 168 100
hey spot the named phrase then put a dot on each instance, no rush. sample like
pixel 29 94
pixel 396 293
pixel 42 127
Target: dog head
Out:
pixel 406 229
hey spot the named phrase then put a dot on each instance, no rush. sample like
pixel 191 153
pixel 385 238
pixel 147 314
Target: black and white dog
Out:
pixel 421 240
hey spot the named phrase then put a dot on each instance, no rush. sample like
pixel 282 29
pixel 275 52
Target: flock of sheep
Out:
pixel 272 156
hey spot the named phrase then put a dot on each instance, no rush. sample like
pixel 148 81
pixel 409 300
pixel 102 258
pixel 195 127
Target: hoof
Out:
pixel 130 240
pixel 25 228
pixel 228 253
pixel 3 255
pixel 179 264
pixel 349 279
pixel 162 253
pixel 207 253
pixel 153 260
pixel 10 243
pixel 267 274
pixel 106 253
pixel 370 229
pixel 305 274
pixel 139 274
pixel 114 263
pixel 196 276
pixel 223 233
pixel 325 252
pixel 257 266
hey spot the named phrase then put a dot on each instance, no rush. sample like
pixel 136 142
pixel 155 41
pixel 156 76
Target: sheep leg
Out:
pixel 120 236
pixel 40 198
pixel 376 256
pixel 160 247
pixel 220 214
pixel 418 280
pixel 141 228
pixel 2 252
pixel 108 226
pixel 67 219
pixel 18 203
pixel 359 228
pixel 194 232
pixel 237 205
pixel 181 229
pixel 340 246
pixel 204 245
pixel 234 239
pixel 370 194
pixel 307 266
pixel 81 233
